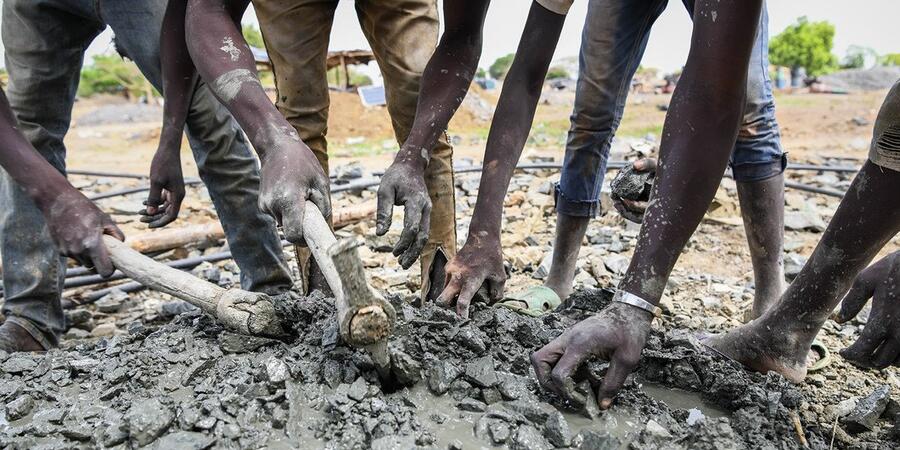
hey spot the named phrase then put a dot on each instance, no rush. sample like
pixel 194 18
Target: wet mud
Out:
pixel 188 383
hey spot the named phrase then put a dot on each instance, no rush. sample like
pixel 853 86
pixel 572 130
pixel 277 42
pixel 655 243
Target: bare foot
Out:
pixel 765 348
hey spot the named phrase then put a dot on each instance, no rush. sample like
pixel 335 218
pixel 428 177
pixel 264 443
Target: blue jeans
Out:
pixel 613 43
pixel 44 44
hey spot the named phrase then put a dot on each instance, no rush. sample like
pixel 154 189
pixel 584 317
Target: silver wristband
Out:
pixel 633 300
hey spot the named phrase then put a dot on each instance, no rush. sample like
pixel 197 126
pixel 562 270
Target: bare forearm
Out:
pixel 41 181
pixel 446 78
pixel 514 116
pixel 179 76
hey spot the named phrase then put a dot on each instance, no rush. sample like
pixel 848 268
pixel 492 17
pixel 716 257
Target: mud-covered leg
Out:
pixel 762 208
pixel 570 231
pixel 867 218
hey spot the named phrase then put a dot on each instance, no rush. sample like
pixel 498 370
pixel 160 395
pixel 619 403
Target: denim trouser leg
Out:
pixel 44 47
pixel 612 44
pixel 225 162
pixel 757 154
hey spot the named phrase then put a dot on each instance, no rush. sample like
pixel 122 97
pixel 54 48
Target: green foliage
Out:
pixel 336 77
pixel 890 59
pixel 856 57
pixel 252 36
pixel 110 74
pixel 499 68
pixel 481 73
pixel 805 44
pixel 557 72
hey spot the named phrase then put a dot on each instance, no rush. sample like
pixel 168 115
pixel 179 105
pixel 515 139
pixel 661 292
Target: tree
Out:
pixel 805 44
pixel 857 56
pixel 481 73
pixel 499 68
pixel 890 59
pixel 110 74
pixel 252 36
pixel 557 72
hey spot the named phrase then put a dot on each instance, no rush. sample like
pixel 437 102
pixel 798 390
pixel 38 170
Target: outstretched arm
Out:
pixel 444 85
pixel 290 173
pixel 700 130
pixel 480 259
pixel 179 79
pixel 75 223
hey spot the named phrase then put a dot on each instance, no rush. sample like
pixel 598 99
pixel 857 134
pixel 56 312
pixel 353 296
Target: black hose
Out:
pixel 92 173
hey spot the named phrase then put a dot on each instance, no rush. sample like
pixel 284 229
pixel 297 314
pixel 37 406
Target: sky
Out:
pixel 870 23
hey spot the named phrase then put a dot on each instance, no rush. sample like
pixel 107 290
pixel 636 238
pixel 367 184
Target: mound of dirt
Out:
pixel 191 384
pixel 873 79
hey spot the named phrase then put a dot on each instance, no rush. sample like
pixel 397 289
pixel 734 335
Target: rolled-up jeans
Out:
pixel 613 43
pixel 45 41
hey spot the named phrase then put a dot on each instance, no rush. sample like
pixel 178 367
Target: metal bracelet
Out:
pixel 633 300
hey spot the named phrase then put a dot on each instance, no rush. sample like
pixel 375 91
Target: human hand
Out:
pixel 404 184
pixel 480 261
pixel 878 345
pixel 166 189
pixel 634 210
pixel 290 176
pixel 617 334
pixel 77 227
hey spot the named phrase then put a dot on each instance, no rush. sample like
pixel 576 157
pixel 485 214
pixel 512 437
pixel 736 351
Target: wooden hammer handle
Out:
pixel 160 277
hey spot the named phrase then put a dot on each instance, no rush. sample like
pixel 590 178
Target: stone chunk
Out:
pixel 481 372
pixel 147 420
pixel 439 376
pixel 529 438
pixel 187 440
pixel 598 440
pixel 277 371
pixel 867 411
pixel 19 407
pixel 556 430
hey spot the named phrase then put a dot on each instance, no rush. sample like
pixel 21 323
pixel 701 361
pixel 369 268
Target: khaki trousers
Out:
pixel 403 35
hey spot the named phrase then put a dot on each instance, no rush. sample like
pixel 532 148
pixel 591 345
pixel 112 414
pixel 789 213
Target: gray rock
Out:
pixel 19 407
pixel 470 339
pixel 867 411
pixel 83 364
pixel 556 430
pixel 653 428
pixel 598 440
pixel 405 369
pixel 491 395
pixel 440 374
pixel 631 184
pixel 529 438
pixel 358 389
pixel 168 310
pixel 111 302
pixel 147 420
pixel 78 317
pixel 499 432
pixel 277 371
pixel 543 270
pixel 481 372
pixel 187 440
pixel 804 221
pixel 512 386
pixel 19 363
pixel 471 405
pixel 239 343
pixel 533 410
pixel 793 263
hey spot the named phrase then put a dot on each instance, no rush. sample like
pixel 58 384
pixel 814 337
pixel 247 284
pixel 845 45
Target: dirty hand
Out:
pixel 630 209
pixel 289 177
pixel 617 334
pixel 479 262
pixel 166 190
pixel 404 184
pixel 878 345
pixel 77 227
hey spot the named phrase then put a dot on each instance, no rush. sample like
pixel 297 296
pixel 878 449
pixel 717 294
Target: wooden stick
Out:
pixel 169 238
pixel 242 311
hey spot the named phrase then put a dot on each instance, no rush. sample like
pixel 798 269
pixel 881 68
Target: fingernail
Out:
pixel 605 403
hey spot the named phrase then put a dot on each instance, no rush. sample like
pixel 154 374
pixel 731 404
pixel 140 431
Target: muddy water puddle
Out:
pixel 449 424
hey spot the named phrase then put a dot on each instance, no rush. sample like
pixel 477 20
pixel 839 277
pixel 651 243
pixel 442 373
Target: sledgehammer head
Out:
pixel 249 313
pixel 363 316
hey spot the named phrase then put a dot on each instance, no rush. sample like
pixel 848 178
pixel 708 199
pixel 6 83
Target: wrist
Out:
pixel 412 158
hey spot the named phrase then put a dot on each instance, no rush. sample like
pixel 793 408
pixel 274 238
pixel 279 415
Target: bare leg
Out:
pixel 570 231
pixel 762 208
pixel 867 218
pixel 694 151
